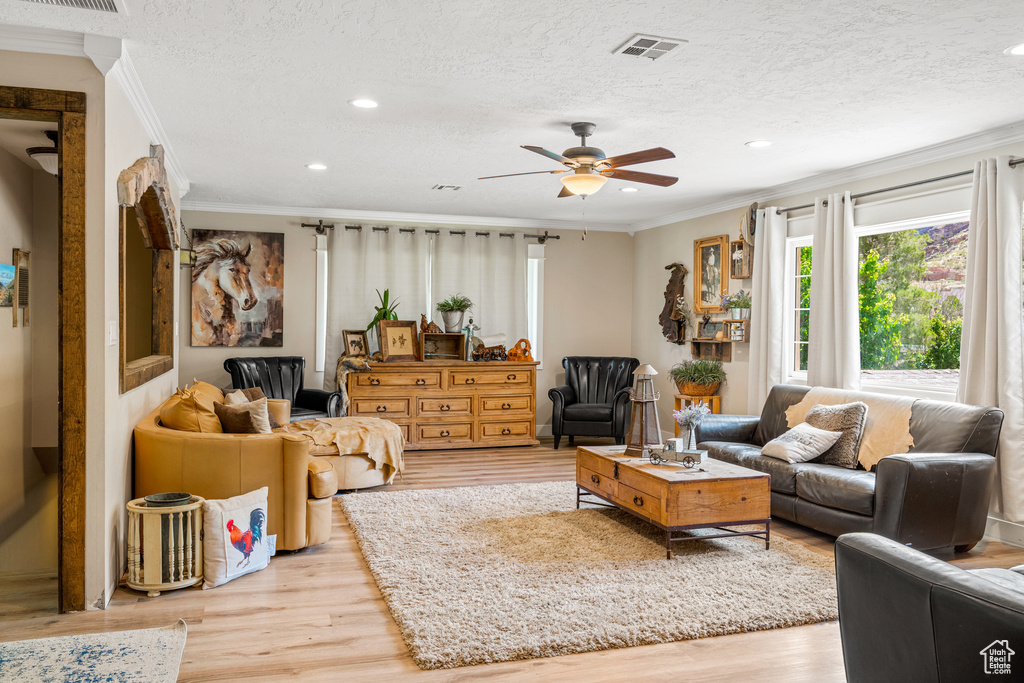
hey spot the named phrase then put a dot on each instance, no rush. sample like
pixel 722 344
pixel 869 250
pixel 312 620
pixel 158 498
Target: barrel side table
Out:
pixel 165 546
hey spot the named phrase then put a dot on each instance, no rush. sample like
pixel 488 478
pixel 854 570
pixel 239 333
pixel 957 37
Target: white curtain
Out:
pixel 362 262
pixel 833 358
pixel 992 342
pixel 491 271
pixel 767 352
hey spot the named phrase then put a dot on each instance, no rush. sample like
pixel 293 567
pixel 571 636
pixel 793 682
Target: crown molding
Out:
pixel 359 216
pixel 969 144
pixel 110 56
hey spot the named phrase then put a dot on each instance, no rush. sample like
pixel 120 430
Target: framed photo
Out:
pixel 355 342
pixel 741 262
pixel 709 281
pixel 398 340
pixel 709 330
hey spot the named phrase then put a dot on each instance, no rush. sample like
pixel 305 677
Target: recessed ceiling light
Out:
pixel 316 167
pixel 759 143
pixel 1016 50
pixel 628 189
pixel 363 103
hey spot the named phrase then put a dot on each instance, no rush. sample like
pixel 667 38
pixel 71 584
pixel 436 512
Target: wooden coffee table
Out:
pixel 714 495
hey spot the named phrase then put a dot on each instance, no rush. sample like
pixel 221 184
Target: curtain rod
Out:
pixel 936 179
pixel 540 238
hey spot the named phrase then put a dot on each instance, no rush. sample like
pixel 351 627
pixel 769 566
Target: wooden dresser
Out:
pixel 451 404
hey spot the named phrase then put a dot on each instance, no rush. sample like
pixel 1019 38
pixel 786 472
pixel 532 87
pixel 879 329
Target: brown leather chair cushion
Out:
pixel 235 421
pixel 836 487
pixel 191 409
pixel 323 482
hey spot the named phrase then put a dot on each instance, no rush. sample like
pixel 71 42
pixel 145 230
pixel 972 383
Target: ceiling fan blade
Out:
pixel 565 193
pixel 508 175
pixel 551 155
pixel 654 154
pixel 638 177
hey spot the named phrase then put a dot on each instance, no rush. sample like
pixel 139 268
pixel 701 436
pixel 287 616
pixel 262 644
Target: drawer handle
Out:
pixel 471 380
pixel 506 406
pixel 374 381
pixel 638 501
pixel 445 432
pixel 506 431
pixel 420 382
pixel 382 409
pixel 594 478
pixel 511 378
pixel 445 407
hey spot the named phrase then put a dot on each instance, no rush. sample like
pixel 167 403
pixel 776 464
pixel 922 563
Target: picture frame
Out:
pixel 398 340
pixel 709 278
pixel 355 342
pixel 709 330
pixel 741 261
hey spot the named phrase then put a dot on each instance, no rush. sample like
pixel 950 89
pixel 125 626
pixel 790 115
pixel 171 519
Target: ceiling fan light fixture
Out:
pixel 583 184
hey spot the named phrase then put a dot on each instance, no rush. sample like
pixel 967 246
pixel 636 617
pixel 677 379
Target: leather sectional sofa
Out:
pixel 935 496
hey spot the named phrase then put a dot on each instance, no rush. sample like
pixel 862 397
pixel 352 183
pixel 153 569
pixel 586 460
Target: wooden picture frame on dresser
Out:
pixel 451 404
pixel 398 341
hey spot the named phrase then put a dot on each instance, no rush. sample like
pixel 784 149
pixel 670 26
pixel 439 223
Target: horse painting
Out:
pixel 236 291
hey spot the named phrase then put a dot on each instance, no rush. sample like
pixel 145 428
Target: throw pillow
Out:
pixel 235 537
pixel 242 396
pixel 234 419
pixel 848 418
pixel 801 443
pixel 191 409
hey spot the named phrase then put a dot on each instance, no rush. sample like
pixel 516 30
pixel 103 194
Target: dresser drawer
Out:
pixel 497 405
pixel 430 379
pixel 442 432
pixel 380 407
pixel 507 429
pixel 437 407
pixel 644 503
pixel 507 377
pixel 598 483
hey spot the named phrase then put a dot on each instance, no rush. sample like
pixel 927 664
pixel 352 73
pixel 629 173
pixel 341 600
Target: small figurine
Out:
pixel 428 327
pixel 521 351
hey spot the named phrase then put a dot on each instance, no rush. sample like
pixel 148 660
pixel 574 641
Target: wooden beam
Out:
pixel 35 99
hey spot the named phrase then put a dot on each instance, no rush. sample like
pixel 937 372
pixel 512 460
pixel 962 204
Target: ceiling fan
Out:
pixel 589 168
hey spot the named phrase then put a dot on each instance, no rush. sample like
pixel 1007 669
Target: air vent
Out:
pixel 651 47
pixel 446 187
pixel 100 5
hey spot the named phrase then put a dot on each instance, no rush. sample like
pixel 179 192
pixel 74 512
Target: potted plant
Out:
pixel 738 305
pixel 452 310
pixel 688 418
pixel 386 311
pixel 698 377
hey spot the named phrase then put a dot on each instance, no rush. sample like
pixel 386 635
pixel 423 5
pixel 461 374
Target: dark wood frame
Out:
pixel 411 326
pixel 345 334
pixel 67 110
pixel 722 241
pixel 445 345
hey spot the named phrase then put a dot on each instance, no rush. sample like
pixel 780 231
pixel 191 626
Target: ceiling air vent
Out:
pixel 652 47
pixel 101 5
pixel 446 187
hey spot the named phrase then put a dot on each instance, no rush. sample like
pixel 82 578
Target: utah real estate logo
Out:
pixel 997 657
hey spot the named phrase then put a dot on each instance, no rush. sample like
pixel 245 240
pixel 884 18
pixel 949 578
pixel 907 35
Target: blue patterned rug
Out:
pixel 146 655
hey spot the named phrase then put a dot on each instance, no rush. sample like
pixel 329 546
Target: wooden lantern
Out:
pixel 644 429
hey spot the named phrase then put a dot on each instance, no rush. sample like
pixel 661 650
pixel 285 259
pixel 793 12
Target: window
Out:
pixel 535 299
pixel 798 312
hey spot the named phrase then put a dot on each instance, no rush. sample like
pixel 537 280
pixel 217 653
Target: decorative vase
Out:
pixel 452 320
pixel 740 313
pixel 688 436
pixel 691 389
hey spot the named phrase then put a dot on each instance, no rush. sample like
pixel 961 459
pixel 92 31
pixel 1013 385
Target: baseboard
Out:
pixel 543 430
pixel 1010 533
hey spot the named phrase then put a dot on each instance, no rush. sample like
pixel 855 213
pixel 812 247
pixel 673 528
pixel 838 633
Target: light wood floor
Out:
pixel 317 614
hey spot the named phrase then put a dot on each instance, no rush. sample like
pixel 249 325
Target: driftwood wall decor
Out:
pixel 144 186
pixel 675 315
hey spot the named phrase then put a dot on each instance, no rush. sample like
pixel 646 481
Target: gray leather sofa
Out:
pixel 935 496
pixel 906 616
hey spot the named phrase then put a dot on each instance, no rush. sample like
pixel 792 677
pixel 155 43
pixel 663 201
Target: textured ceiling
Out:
pixel 249 91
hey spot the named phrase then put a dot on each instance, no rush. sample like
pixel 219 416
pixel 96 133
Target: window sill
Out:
pixel 933 393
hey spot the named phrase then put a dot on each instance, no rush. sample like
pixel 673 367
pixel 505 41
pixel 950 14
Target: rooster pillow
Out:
pixel 235 537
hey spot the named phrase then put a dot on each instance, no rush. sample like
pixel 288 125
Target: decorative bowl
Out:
pixel 167 500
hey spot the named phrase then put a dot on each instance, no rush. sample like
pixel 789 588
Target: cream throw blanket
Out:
pixel 380 440
pixel 887 428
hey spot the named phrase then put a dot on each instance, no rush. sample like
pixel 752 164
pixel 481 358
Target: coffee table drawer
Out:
pixel 598 483
pixel 602 466
pixel 435 407
pixel 638 501
pixel 380 407
pixel 648 485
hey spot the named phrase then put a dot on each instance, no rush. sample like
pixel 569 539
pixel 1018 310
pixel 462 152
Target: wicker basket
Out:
pixel 691 389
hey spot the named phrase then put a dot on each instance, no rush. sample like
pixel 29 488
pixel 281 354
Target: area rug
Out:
pixel 144 656
pixel 496 573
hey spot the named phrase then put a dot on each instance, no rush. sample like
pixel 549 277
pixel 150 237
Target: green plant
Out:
pixel 740 299
pixel 386 310
pixel 703 372
pixel 456 302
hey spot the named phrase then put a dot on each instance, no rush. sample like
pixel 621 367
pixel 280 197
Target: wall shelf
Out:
pixel 711 349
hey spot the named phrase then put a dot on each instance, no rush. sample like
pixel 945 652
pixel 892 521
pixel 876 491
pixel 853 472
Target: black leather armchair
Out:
pixel 907 616
pixel 594 401
pixel 282 377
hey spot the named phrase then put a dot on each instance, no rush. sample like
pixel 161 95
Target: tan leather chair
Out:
pixel 225 465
